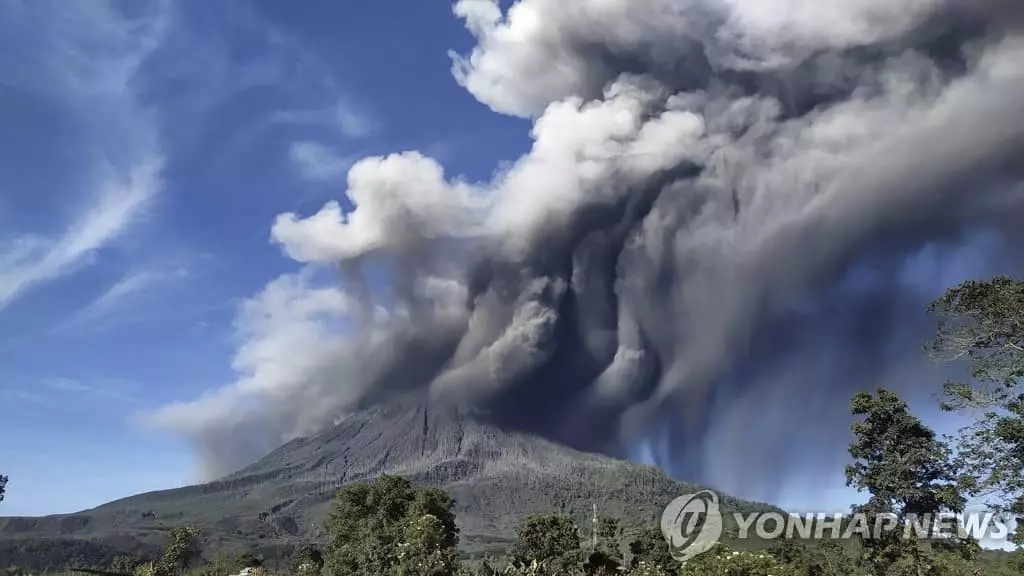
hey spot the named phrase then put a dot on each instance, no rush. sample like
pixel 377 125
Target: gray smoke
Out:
pixel 732 218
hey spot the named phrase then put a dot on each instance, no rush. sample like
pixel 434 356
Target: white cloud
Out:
pixel 32 261
pixel 61 384
pixel 109 307
pixel 87 59
pixel 299 344
pixel 403 199
pixel 345 116
pixel 284 341
pixel 352 121
pixel 102 388
pixel 319 163
pixel 540 51
pixel 532 55
pixel 291 334
pixel 22 396
pixel 826 22
pixel 399 199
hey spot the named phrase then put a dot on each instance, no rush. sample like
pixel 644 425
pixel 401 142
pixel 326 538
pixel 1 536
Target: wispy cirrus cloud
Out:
pixel 318 163
pixel 117 304
pixel 86 64
pixel 21 396
pixel 64 385
pixel 353 122
pixel 31 261
pixel 350 120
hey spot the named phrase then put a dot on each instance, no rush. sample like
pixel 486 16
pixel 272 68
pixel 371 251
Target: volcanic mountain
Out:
pixel 496 477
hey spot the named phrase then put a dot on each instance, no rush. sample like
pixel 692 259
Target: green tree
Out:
pixel 124 564
pixel 425 550
pixel 825 557
pixel 981 323
pixel 3 487
pixel 830 559
pixel 369 520
pixel 720 561
pixel 437 503
pixel 309 560
pixel 550 540
pixel 908 473
pixel 792 553
pixel 181 551
pixel 650 547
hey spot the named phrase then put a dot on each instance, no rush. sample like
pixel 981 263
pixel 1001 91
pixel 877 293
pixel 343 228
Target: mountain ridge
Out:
pixel 495 476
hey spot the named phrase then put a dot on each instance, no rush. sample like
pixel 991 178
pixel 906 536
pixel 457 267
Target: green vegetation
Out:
pixel 3 486
pixel 907 471
pixel 387 527
pixel 983 324
pixel 550 540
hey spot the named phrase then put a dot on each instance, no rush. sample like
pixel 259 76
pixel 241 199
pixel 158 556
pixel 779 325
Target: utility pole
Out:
pixel 593 532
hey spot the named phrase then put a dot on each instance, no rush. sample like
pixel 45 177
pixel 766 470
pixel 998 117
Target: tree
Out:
pixel 825 558
pixel 982 323
pixel 722 561
pixel 424 551
pixel 309 560
pixel 830 559
pixel 552 541
pixel 124 564
pixel 181 550
pixel 437 503
pixel 650 547
pixel 364 527
pixel 369 520
pixel 908 473
pixel 3 487
pixel 791 553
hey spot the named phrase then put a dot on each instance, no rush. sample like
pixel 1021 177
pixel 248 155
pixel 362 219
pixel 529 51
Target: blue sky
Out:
pixel 146 154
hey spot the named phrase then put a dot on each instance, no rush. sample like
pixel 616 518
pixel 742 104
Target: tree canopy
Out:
pixel 981 323
pixel 551 540
pixel 909 474
pixel 388 528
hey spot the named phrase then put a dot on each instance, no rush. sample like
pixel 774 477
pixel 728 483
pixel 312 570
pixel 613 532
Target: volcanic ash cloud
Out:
pixel 732 217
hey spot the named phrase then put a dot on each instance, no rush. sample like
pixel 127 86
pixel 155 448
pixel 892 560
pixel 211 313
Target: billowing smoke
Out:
pixel 732 217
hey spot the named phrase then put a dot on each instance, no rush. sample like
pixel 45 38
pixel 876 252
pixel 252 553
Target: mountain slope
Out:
pixel 495 476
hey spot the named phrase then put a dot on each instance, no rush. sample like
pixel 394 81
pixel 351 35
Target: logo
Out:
pixel 692 524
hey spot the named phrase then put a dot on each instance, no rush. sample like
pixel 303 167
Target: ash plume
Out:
pixel 732 217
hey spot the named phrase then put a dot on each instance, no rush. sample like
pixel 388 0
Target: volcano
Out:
pixel 496 477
